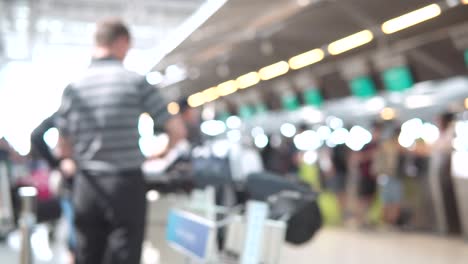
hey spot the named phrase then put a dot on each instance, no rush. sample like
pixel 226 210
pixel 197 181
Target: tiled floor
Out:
pixel 330 246
pixel 340 246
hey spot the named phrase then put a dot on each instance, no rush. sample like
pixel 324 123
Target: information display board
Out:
pixel 190 234
pixel 363 87
pixel 397 79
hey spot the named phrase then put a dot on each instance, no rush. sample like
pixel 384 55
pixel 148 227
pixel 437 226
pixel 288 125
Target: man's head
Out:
pixel 112 38
pixel 189 114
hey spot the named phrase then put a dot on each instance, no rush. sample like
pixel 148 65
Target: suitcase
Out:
pixel 292 201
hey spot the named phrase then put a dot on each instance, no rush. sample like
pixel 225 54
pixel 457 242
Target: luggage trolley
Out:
pixel 251 237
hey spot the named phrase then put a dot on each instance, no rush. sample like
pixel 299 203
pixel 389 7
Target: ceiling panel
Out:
pixel 224 40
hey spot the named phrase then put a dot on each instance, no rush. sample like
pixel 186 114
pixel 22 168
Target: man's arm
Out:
pixel 38 142
pixel 65 150
pixel 66 164
pixel 176 130
pixel 64 147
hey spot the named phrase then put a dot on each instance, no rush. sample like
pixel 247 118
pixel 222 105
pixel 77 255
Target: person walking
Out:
pixel 98 124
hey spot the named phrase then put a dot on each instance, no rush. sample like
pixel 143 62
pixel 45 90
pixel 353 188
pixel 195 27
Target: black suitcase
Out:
pixel 289 200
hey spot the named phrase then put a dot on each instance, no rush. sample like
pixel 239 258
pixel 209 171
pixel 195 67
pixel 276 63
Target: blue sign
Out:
pixel 189 233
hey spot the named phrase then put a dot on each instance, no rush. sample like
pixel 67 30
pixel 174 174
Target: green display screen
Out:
pixel 290 102
pixel 246 112
pixel 313 97
pixel 260 108
pixel 363 86
pixel 223 116
pixel 397 79
pixel 466 57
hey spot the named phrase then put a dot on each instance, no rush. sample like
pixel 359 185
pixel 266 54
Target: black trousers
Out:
pixel 110 214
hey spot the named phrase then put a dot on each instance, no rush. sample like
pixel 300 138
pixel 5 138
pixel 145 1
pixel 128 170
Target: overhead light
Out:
pixel 307 141
pixel 306 59
pixel 288 130
pixel 418 101
pixel 465 2
pixel 350 42
pixel 233 122
pixel 210 94
pixel 247 80
pixel 196 100
pixel 339 136
pixel 466 99
pixel 173 108
pixel 234 136
pixel 209 112
pixel 227 88
pixel 430 133
pixel 324 132
pixel 311 115
pixel 310 157
pixel 152 196
pixel 257 131
pixel 388 113
pixel 335 122
pixel 213 127
pixel 274 70
pixel 261 141
pixel 411 18
pixel 375 104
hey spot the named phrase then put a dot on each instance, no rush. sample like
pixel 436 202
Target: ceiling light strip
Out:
pixel 350 42
pixel 412 18
pixel 274 70
pixel 313 56
pixel 306 59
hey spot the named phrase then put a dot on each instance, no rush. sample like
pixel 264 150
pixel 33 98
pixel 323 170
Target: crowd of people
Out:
pixel 383 183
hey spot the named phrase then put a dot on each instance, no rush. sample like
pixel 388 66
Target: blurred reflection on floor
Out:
pixel 349 247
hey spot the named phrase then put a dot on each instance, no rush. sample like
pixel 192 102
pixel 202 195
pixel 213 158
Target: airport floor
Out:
pixel 329 246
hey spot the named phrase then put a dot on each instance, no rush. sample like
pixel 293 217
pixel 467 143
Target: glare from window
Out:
pixel 51 137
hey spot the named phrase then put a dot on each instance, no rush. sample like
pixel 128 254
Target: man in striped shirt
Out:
pixel 98 121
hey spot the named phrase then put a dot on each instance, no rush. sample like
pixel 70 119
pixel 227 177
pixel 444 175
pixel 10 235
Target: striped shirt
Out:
pixel 100 112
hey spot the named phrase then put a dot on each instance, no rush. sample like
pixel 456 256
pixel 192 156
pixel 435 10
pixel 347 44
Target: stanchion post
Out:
pixel 27 221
